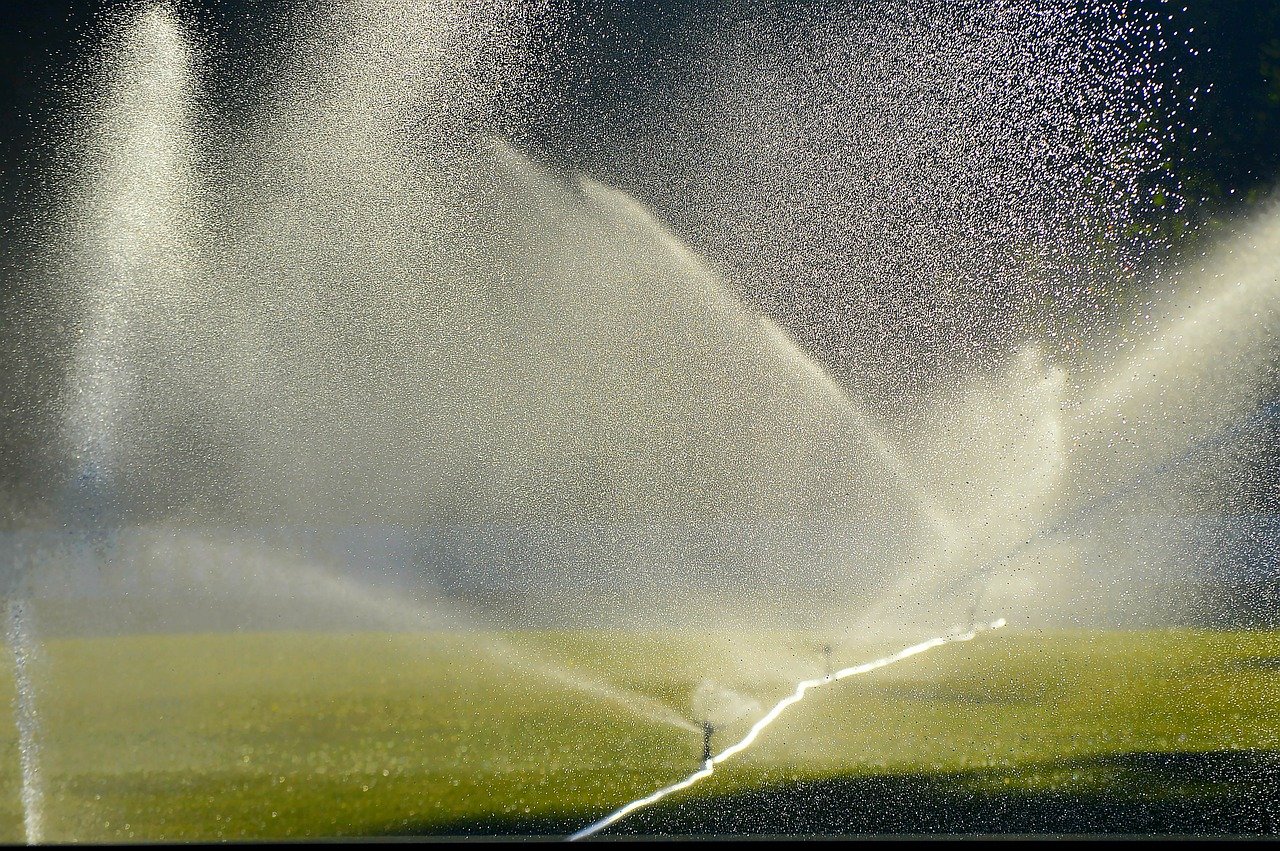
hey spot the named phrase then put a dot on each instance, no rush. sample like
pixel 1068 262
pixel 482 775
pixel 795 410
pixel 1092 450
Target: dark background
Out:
pixel 1235 162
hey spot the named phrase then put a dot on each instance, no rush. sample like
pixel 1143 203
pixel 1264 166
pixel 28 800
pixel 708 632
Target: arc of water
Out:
pixel 802 689
pixel 630 213
pixel 505 653
pixel 1121 493
pixel 394 612
pixel 1203 363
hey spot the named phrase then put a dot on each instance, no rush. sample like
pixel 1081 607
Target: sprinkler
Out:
pixel 802 688
pixel 826 656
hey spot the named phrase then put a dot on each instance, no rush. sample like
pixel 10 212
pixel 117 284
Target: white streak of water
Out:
pixel 21 641
pixel 772 715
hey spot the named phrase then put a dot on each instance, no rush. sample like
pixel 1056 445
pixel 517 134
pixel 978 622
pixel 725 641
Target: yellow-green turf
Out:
pixel 293 735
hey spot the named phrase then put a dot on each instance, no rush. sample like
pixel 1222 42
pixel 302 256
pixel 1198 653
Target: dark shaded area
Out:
pixel 1211 793
pixel 1233 159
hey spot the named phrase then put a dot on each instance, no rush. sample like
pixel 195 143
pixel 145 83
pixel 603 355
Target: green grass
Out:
pixel 292 735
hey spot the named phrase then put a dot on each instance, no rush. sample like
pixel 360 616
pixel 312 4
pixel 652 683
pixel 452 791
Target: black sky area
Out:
pixel 602 56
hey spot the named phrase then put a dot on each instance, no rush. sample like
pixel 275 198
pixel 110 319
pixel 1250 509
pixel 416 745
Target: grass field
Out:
pixel 294 735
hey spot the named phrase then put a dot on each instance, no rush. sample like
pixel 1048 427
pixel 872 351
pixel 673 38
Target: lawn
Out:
pixel 231 736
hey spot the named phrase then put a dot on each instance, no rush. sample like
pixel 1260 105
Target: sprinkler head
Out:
pixel 707 731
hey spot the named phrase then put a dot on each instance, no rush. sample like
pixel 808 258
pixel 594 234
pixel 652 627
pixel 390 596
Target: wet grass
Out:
pixel 293 735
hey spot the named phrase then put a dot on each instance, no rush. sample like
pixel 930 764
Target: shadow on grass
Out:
pixel 1219 792
pixel 1257 663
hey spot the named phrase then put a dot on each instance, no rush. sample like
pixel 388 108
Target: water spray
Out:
pixel 21 639
pixel 142 212
pixel 801 691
